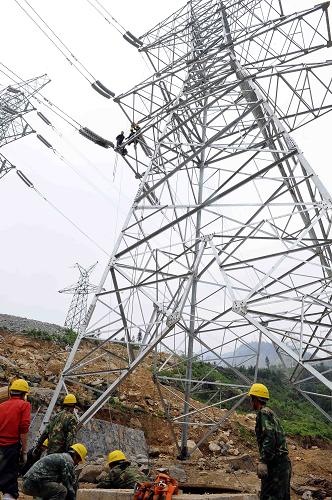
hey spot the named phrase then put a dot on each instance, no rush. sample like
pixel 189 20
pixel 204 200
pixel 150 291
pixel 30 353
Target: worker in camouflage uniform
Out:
pixel 274 468
pixel 122 474
pixel 53 476
pixel 61 430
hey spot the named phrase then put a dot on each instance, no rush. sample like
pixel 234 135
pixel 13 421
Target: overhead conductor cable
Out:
pixel 30 184
pixel 84 131
pixel 65 51
pixel 127 35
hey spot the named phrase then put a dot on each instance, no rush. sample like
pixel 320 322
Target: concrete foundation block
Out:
pixel 128 495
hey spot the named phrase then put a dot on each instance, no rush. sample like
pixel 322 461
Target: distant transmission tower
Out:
pixel 228 240
pixel 14 104
pixel 80 291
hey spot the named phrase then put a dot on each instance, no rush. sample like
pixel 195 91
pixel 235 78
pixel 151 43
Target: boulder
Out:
pixel 6 363
pixel 242 462
pixel 178 472
pixel 142 460
pixel 224 449
pixel 154 452
pixel 191 445
pixel 90 473
pixel 214 447
pixel 54 366
pixel 135 423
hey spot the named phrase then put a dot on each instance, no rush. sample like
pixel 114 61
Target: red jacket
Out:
pixel 14 420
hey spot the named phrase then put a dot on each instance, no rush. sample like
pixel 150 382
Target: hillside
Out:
pixel 226 459
pixel 244 355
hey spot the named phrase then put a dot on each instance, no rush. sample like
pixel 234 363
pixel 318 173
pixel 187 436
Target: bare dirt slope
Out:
pixel 227 459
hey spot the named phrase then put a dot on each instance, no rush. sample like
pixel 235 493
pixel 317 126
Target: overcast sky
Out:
pixel 38 247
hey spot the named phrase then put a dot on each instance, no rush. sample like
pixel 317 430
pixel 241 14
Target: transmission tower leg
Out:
pixel 192 325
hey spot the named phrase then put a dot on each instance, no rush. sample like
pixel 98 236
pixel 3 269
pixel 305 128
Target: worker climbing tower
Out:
pixel 14 104
pixel 80 291
pixel 228 239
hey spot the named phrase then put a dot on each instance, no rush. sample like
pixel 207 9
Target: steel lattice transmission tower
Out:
pixel 14 104
pixel 80 291
pixel 228 240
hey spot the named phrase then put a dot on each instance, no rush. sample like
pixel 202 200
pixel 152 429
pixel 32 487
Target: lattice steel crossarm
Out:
pixel 14 104
pixel 228 238
pixel 5 166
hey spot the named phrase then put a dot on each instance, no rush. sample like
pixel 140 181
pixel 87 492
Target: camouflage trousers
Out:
pixel 45 490
pixel 276 486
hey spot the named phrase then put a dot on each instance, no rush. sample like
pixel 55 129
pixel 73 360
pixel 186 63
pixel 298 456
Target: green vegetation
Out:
pixel 298 416
pixel 67 337
pixel 246 435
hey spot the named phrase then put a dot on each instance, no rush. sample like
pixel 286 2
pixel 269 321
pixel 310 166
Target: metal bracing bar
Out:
pixel 307 379
pixel 285 348
pixel 217 426
pixel 269 273
pixel 5 165
pixel 319 408
pixel 329 396
pixel 172 321
pixel 218 384
pixel 175 440
pixel 198 152
pixel 291 319
pixel 228 285
pixel 208 202
pixel 201 410
pixel 253 90
pixel 183 400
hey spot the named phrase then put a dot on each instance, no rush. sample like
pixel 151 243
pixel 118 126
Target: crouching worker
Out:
pixel 33 456
pixel 53 476
pixel 122 474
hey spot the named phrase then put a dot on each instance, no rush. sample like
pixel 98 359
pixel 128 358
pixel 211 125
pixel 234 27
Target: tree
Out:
pixel 267 362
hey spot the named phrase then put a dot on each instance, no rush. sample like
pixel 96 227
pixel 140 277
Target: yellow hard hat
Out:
pixel 80 450
pixel 259 390
pixel 116 455
pixel 45 443
pixel 70 399
pixel 19 385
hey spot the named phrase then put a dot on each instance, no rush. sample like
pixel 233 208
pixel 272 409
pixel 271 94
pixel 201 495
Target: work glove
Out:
pixel 262 470
pixel 23 458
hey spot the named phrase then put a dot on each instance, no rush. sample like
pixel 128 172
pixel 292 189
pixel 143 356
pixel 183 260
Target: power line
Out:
pixel 66 51
pixel 44 100
pixel 106 19
pixel 126 34
pixel 29 184
pixel 84 131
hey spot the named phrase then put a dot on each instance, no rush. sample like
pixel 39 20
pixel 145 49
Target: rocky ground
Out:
pixel 228 458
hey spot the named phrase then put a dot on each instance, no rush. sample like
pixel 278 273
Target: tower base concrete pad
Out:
pixel 128 495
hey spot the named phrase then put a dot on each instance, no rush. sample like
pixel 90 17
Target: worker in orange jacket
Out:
pixel 14 428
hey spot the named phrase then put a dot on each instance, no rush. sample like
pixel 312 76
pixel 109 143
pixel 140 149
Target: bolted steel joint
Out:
pixel 112 262
pixel 325 204
pixel 173 318
pixel 239 307
pixel 207 237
